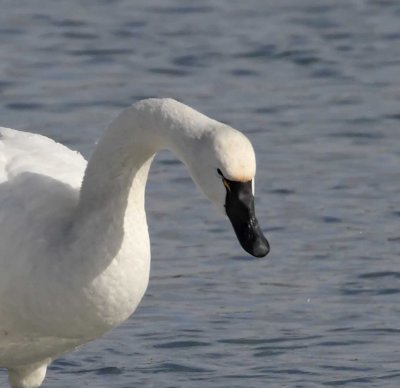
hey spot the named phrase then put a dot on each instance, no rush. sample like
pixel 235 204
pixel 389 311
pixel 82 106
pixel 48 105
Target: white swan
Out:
pixel 74 258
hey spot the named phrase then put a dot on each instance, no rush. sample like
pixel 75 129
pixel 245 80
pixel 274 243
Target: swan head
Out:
pixel 223 166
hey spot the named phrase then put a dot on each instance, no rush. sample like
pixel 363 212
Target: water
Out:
pixel 315 85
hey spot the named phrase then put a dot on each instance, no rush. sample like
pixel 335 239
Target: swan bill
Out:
pixel 239 207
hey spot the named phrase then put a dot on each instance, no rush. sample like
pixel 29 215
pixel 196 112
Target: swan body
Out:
pixel 74 243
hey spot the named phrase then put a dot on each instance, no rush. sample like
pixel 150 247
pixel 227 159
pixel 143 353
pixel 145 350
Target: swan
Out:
pixel 74 243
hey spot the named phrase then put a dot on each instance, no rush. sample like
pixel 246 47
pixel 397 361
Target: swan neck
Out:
pixel 115 179
pixel 133 138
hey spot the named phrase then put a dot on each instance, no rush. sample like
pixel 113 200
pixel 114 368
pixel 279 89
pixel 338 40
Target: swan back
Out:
pixel 39 181
pixel 28 152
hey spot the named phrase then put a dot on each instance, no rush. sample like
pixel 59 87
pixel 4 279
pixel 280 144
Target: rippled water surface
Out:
pixel 315 84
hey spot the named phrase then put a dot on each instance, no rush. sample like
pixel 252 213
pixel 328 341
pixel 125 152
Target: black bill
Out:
pixel 239 207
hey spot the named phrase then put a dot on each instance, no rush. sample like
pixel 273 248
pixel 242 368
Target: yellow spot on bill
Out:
pixel 226 184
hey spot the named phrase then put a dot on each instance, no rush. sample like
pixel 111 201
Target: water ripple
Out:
pixel 180 344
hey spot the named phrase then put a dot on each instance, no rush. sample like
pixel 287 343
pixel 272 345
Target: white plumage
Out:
pixel 75 257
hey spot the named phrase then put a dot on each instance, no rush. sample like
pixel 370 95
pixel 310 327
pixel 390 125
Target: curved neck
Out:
pixel 111 205
pixel 132 139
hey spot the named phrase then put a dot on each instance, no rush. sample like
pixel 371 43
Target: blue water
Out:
pixel 315 84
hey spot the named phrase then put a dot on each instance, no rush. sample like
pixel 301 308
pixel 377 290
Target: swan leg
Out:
pixel 28 376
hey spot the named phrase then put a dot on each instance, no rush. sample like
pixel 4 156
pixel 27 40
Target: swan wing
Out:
pixel 23 152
